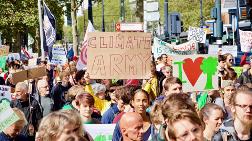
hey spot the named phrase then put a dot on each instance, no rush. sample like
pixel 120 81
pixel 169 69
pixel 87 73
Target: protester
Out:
pixel 212 116
pixel 140 102
pixel 171 85
pixel 79 77
pixel 59 90
pixel 12 133
pixel 71 97
pixel 57 125
pixel 246 77
pixel 131 126
pixel 123 97
pixel 229 73
pixel 30 106
pixel 44 96
pixel 85 106
pixel 240 127
pixel 185 125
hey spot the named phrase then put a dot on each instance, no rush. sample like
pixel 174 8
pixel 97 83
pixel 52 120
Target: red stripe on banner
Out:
pixel 83 55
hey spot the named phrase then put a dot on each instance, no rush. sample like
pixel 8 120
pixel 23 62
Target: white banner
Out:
pixel 160 47
pixel 196 34
pixel 230 49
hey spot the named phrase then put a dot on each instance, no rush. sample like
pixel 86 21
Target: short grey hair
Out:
pixel 22 85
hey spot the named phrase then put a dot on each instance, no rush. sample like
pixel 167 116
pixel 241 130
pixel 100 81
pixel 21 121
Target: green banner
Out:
pixel 238 70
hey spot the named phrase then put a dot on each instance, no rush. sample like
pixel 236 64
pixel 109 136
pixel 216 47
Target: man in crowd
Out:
pixel 44 96
pixel 246 77
pixel 240 127
pixel 131 126
pixel 29 105
pixel 60 89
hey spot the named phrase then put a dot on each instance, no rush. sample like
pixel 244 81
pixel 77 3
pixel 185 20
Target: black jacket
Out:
pixel 246 77
pixel 32 112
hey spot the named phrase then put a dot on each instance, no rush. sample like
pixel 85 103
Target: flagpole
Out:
pixel 41 31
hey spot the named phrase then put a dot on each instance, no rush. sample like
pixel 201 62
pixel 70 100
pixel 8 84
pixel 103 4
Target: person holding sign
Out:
pixel 29 105
pixel 12 133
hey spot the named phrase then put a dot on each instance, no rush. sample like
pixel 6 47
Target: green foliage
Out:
pixel 112 16
pixel 189 10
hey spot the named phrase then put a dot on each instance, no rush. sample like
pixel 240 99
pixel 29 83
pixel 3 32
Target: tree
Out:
pixel 20 17
pixel 209 67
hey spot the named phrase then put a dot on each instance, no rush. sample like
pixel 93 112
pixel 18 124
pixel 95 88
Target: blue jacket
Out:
pixel 4 137
pixel 109 115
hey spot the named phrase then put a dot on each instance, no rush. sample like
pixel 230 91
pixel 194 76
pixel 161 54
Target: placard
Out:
pixel 58 54
pixel 4 50
pixel 245 40
pixel 5 92
pixel 29 74
pixel 119 55
pixel 230 49
pixel 197 34
pixel 197 72
pixel 160 47
pixel 7 115
pixel 100 132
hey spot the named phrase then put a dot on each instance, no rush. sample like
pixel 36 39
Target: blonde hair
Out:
pixel 54 123
pixel 74 91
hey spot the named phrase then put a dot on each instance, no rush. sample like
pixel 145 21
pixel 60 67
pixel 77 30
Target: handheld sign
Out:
pixel 29 74
pixel 5 92
pixel 197 72
pixel 197 34
pixel 58 54
pixel 100 132
pixel 7 115
pixel 245 40
pixel 119 55
pixel 4 50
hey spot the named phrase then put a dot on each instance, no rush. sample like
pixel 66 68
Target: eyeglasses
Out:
pixel 244 107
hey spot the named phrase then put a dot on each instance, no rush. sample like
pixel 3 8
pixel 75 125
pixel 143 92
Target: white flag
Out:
pixel 82 62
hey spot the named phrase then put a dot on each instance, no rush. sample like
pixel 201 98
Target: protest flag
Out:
pixel 26 53
pixel 82 62
pixel 49 29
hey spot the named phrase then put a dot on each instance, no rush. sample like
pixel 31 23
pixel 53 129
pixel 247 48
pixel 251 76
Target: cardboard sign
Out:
pixel 245 40
pixel 58 54
pixel 100 132
pixel 5 92
pixel 197 72
pixel 29 74
pixel 119 55
pixel 4 50
pixel 8 117
pixel 160 47
pixel 197 34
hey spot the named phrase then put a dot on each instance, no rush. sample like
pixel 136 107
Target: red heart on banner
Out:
pixel 192 69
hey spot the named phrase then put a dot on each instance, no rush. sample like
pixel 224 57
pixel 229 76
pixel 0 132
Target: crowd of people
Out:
pixel 57 106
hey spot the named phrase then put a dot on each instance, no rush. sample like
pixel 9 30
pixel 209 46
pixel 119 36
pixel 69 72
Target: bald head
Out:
pixel 131 125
